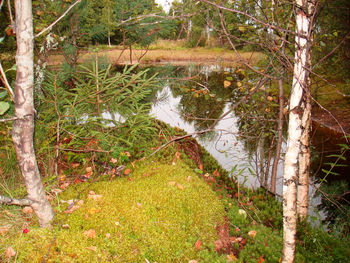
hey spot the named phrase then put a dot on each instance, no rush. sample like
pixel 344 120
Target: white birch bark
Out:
pixel 290 177
pixel 23 127
pixel 305 153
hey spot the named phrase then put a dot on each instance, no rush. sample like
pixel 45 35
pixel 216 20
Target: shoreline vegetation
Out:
pixel 183 56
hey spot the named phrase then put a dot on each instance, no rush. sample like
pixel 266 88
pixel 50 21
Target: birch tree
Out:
pixel 297 156
pixel 23 126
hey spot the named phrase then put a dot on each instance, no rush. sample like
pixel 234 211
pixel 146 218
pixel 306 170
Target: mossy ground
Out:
pixel 158 213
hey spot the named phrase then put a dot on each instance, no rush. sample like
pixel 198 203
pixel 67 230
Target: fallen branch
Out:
pixel 184 137
pixel 13 201
pixel 9 119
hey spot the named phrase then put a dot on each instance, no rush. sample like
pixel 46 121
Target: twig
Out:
pixel 13 201
pixel 57 20
pixel 83 150
pixel 9 119
pixel 333 50
pixel 10 12
pixel 7 85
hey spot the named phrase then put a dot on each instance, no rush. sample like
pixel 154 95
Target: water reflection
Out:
pixel 193 98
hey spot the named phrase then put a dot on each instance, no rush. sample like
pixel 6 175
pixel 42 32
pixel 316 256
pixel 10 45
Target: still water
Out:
pixel 194 97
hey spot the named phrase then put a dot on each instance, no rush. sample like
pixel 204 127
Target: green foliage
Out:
pixel 100 115
pixel 316 245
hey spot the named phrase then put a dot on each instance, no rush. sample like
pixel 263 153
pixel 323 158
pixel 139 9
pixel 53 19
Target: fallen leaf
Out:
pixel 180 187
pixel 189 178
pixel 108 235
pixel 193 261
pixel 172 183
pixel 10 252
pixel 27 210
pixel 64 185
pixel 127 171
pixel 252 233
pixel 177 155
pixel 261 259
pixel 231 257
pixel 94 197
pixel 216 173
pixel 56 190
pixel 92 248
pixel 88 169
pixel 4 229
pixel 198 244
pixel 227 83
pixel 80 202
pixel 242 212
pixel 75 165
pixel 93 210
pixel 91 233
pixel 127 154
pixel 72 209
pixel 113 160
pixel 8 213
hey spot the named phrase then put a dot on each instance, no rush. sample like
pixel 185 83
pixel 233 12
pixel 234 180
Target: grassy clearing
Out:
pixel 158 214
pixel 176 56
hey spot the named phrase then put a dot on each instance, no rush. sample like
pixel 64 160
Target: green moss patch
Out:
pixel 156 214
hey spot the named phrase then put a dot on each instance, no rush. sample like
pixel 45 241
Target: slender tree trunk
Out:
pixel 295 130
pixel 108 30
pixel 280 137
pixel 23 127
pixel 305 152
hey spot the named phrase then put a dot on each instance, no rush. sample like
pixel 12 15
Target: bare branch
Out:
pixel 58 19
pixel 6 83
pixel 13 201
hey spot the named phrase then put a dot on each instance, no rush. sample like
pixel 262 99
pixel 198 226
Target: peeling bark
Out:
pixel 295 131
pixel 23 126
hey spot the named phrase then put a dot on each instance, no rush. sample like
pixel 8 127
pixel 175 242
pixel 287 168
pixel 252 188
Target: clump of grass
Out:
pixel 158 214
pixel 167 44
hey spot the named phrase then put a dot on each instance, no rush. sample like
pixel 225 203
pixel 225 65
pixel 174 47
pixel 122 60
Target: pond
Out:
pixel 194 97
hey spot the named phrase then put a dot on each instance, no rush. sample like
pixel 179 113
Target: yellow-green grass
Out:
pixel 176 56
pixel 156 214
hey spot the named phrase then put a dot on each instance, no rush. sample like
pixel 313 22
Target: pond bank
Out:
pixel 178 56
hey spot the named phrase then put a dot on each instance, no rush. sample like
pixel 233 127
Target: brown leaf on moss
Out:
pixel 27 210
pixel 10 252
pixel 91 233
pixel 252 233
pixel 72 209
pixel 198 244
pixel 93 210
pixel 180 187
pixel 127 171
pixel 92 248
pixel 4 229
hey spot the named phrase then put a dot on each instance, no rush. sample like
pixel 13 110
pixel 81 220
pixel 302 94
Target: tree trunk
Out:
pixel 23 127
pixel 305 152
pixel 296 105
pixel 280 137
